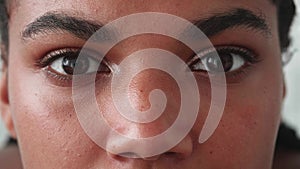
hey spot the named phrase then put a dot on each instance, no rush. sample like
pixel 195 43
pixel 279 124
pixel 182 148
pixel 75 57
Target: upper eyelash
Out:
pixel 200 55
pixel 248 54
pixel 50 57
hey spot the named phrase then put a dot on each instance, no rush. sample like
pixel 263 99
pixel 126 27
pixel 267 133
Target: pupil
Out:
pixel 224 63
pixel 71 61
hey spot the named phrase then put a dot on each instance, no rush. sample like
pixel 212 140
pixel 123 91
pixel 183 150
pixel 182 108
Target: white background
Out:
pixel 291 110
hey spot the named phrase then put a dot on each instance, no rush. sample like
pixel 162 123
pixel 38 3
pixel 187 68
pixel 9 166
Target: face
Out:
pixel 36 94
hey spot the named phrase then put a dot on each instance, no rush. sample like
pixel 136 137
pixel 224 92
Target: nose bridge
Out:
pixel 139 95
pixel 143 84
pixel 139 90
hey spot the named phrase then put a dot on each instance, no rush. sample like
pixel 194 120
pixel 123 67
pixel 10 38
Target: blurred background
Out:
pixel 291 109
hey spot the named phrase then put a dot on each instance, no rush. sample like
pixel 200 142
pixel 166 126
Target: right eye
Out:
pixel 64 61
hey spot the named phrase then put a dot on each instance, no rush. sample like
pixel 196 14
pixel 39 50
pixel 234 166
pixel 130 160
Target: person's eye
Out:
pixel 64 61
pixel 222 59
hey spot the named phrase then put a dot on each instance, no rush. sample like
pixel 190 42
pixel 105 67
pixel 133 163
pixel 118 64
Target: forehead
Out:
pixel 108 10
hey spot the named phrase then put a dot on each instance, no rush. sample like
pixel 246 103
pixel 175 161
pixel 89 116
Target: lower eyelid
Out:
pixel 56 79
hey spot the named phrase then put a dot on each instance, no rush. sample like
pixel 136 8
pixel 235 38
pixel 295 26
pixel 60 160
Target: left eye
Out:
pixel 223 59
pixel 67 59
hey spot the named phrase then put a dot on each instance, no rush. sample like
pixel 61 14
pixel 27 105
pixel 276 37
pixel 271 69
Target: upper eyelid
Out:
pixel 253 56
pixel 113 67
pixel 61 51
pixel 200 55
pixel 51 56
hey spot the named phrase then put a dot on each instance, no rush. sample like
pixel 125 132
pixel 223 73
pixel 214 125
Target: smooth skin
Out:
pixel 38 110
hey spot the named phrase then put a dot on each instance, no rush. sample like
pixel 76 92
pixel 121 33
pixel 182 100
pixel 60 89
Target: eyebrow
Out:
pixel 84 29
pixel 55 22
pixel 235 18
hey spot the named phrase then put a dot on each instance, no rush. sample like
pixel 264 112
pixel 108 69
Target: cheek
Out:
pixel 248 129
pixel 246 134
pixel 46 124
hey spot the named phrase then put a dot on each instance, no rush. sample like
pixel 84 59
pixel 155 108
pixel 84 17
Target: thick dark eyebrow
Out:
pixel 235 18
pixel 84 29
pixel 55 22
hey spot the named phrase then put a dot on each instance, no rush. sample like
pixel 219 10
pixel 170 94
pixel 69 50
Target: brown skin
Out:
pixel 39 112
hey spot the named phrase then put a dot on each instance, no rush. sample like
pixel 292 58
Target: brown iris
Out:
pixel 71 60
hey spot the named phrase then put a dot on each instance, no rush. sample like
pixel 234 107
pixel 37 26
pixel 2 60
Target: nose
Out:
pixel 138 94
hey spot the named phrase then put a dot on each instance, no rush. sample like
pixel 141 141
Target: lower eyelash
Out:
pixel 58 77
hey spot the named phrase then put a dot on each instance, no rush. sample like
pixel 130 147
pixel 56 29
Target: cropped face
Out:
pixel 36 88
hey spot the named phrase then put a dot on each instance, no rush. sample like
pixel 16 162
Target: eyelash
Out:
pixel 52 56
pixel 62 80
pixel 250 58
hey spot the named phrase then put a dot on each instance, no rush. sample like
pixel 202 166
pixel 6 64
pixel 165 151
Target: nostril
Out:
pixel 170 153
pixel 128 155
pixel 123 156
pixel 174 155
pixel 154 158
